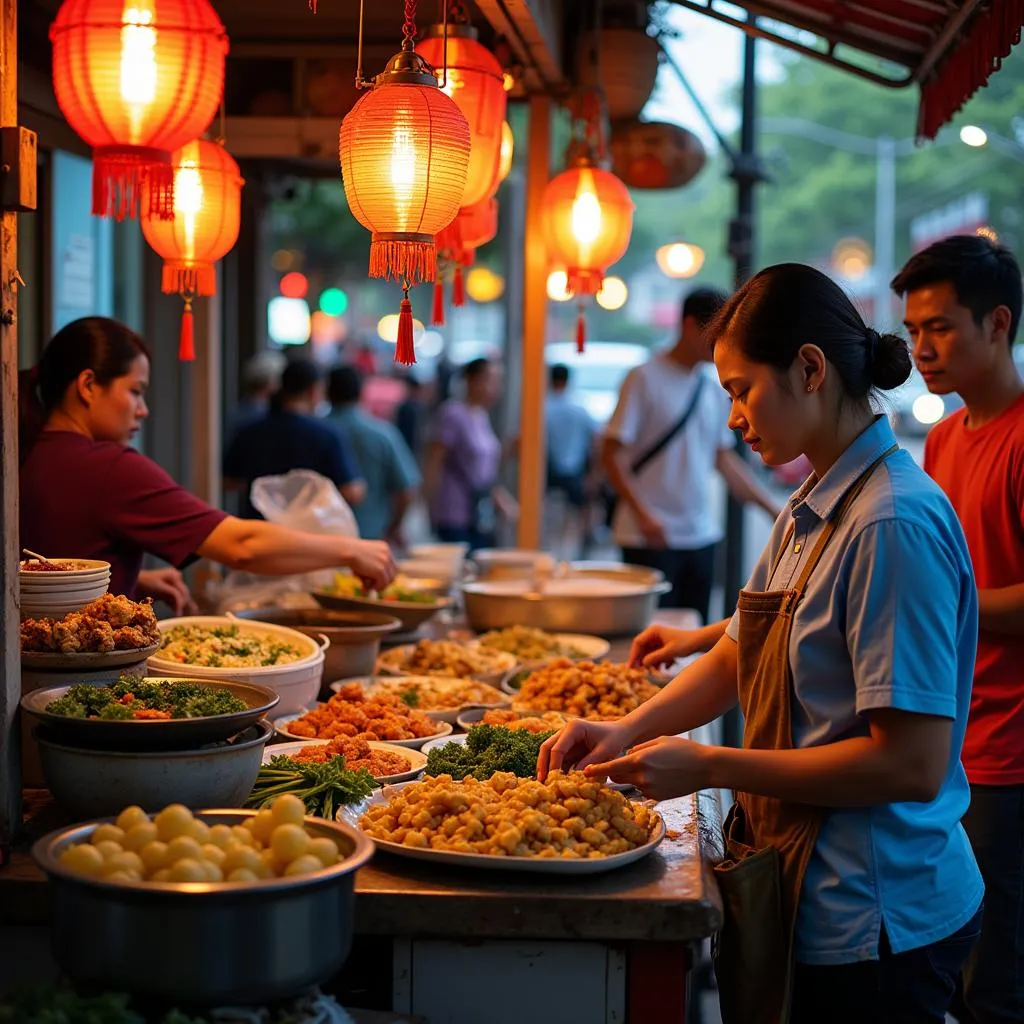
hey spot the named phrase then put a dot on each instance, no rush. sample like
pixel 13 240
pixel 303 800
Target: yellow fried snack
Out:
pixel 567 816
pixel 585 689
pixel 446 658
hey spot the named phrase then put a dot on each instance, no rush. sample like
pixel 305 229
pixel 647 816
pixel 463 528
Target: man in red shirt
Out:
pixel 962 309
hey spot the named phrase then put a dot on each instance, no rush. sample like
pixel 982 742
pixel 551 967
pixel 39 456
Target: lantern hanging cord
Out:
pixel 409 26
pixel 361 83
pixel 222 133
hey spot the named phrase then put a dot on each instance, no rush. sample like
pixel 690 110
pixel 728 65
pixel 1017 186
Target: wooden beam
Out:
pixel 532 447
pixel 10 644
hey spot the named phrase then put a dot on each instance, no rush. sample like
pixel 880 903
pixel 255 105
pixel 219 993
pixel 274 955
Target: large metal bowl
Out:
pixel 624 607
pixel 93 783
pixel 151 734
pixel 202 943
pixel 355 636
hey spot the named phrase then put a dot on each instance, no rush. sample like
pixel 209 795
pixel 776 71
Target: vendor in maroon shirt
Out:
pixel 86 494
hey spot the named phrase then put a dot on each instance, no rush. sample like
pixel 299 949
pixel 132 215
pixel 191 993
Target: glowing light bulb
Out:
pixel 403 165
pixel 613 293
pixel 138 59
pixel 558 282
pixel 586 215
pixel 507 150
pixel 188 202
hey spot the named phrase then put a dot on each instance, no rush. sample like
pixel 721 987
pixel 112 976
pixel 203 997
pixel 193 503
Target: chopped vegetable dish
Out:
pixel 227 647
pixel 131 698
pixel 489 749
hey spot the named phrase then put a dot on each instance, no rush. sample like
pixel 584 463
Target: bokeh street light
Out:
pixel 973 135
pixel 680 259
pixel 612 294
pixel 558 282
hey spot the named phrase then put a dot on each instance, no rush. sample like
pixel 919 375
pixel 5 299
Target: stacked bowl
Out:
pixel 55 588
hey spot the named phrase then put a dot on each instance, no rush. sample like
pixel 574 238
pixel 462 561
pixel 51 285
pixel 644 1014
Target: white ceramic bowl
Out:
pixel 83 568
pixel 297 683
pixel 43 584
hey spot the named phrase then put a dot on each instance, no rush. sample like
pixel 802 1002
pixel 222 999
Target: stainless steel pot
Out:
pixel 200 943
pixel 355 636
pixel 509 563
pixel 498 604
pixel 92 783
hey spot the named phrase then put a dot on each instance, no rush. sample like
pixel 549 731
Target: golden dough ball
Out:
pixel 199 831
pixel 243 835
pixel 130 817
pixel 108 848
pixel 221 835
pixel 242 875
pixel 163 875
pixel 288 809
pixel 126 861
pixel 122 876
pixel 140 835
pixel 108 833
pixel 83 859
pixel 214 854
pixel 304 865
pixel 173 821
pixel 188 869
pixel 181 848
pixel 262 825
pixel 153 856
pixel 213 871
pixel 325 850
pixel 242 857
pixel 289 842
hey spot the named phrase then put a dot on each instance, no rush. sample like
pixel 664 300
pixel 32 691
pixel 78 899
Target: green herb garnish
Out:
pixel 489 749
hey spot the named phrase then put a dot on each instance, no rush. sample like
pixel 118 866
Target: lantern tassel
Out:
pixel 581 330
pixel 186 346
pixel 118 182
pixel 458 287
pixel 437 312
pixel 405 351
pixel 183 279
pixel 403 260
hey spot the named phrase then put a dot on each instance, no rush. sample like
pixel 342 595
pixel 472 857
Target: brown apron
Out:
pixel 768 841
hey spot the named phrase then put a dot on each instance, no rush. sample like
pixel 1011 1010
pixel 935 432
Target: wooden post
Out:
pixel 10 644
pixel 532 449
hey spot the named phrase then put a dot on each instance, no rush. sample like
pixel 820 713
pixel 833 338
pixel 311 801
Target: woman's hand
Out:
pixel 660 645
pixel 373 562
pixel 169 586
pixel 661 769
pixel 580 743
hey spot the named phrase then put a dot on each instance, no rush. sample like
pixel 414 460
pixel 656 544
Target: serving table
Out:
pixel 469 946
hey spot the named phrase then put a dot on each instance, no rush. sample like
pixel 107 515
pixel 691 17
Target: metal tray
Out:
pixel 151 734
pixel 412 615
pixel 522 865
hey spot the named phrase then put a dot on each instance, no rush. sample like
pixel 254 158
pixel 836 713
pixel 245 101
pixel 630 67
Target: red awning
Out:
pixel 949 47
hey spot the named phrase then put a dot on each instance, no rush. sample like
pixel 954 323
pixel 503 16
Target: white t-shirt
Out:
pixel 675 486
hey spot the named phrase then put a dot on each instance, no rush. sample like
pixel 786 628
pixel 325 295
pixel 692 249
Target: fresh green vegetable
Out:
pixel 64 1006
pixel 323 788
pixel 411 697
pixel 131 695
pixel 489 749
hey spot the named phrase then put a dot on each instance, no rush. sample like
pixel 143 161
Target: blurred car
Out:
pixel 596 375
pixel 914 410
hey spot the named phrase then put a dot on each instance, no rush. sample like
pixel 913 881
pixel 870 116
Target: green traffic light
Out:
pixel 333 302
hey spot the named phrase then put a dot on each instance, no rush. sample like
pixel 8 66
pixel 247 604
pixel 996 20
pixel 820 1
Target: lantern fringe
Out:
pixel 458 287
pixel 198 279
pixel 584 282
pixel 186 344
pixel 117 187
pixel 405 351
pixel 437 312
pixel 409 261
pixel 581 331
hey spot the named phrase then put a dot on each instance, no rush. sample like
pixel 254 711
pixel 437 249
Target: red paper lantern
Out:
pixel 474 80
pixel 137 79
pixel 588 218
pixel 207 209
pixel 404 151
pixel 473 227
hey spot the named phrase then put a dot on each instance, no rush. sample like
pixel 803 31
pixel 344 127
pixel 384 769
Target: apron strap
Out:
pixel 833 523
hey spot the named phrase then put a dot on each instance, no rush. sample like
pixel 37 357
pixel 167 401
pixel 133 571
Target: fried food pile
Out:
pixel 584 689
pixel 358 754
pixel 444 695
pixel 351 713
pixel 110 623
pixel 531 723
pixel 567 816
pixel 446 658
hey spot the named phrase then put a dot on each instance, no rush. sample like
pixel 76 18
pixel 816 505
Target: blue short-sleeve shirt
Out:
pixel 889 619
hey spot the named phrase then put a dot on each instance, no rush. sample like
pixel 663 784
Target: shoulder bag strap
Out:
pixel 659 446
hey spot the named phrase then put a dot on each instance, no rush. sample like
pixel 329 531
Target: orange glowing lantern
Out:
pixel 588 218
pixel 473 79
pixel 404 151
pixel 137 79
pixel 508 144
pixel 207 209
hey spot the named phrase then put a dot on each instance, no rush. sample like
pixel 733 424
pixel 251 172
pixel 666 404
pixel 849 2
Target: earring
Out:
pixel 810 388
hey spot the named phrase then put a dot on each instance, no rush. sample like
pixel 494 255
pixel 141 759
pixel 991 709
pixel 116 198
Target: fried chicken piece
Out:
pixel 128 638
pixel 113 608
pixel 37 635
pixel 97 637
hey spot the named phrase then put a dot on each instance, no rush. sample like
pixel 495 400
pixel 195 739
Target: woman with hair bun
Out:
pixel 849 886
pixel 85 493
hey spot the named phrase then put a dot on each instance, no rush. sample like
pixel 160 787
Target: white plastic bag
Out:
pixel 302 500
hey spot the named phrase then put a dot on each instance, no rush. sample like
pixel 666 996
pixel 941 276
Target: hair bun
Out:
pixel 890 362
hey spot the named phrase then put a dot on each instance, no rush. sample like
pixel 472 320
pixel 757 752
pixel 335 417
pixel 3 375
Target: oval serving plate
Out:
pixel 417 760
pixel 396 684
pixel 525 865
pixel 443 729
